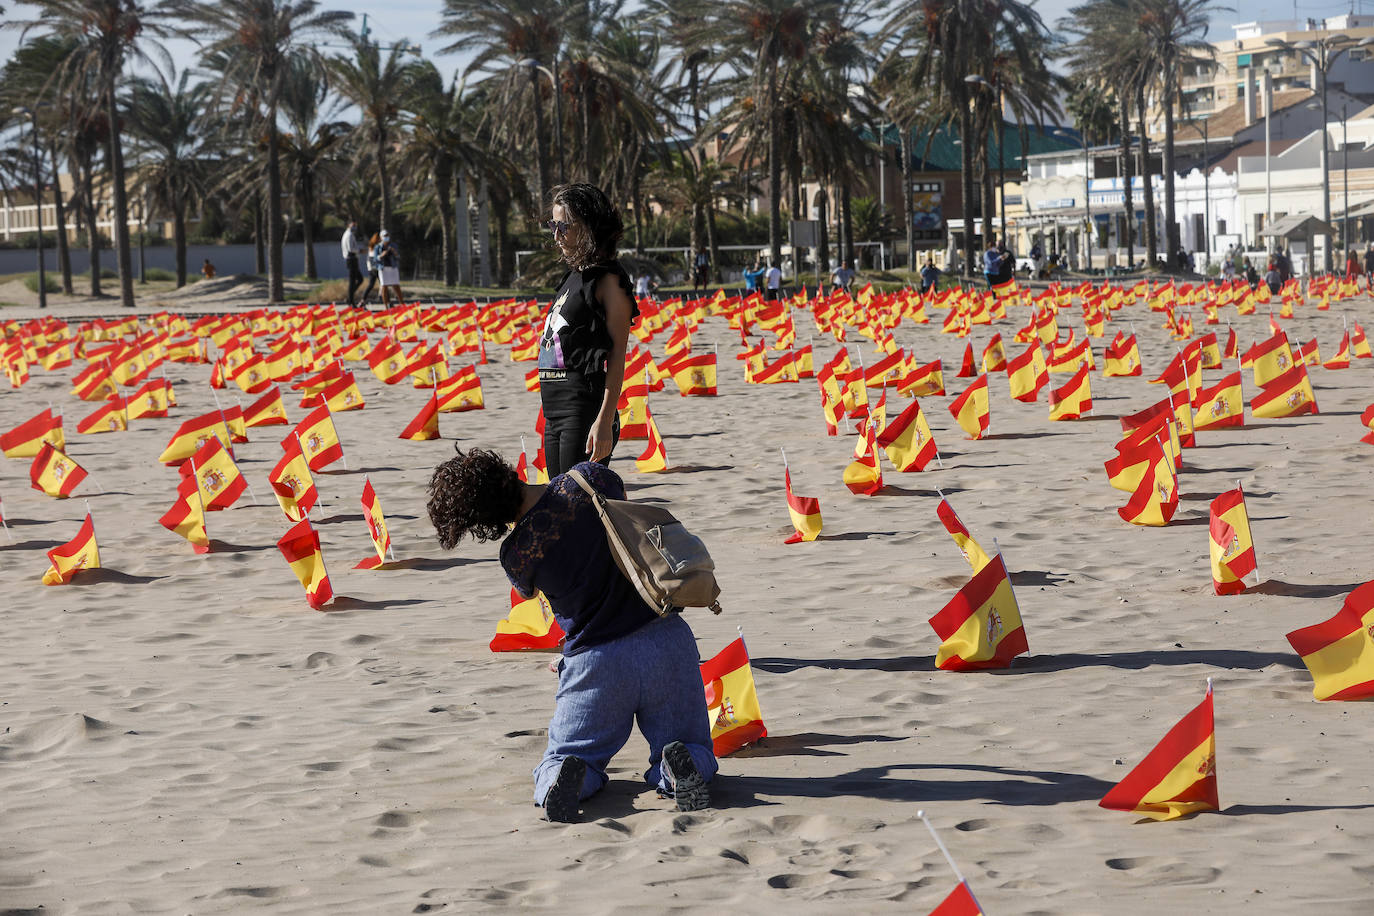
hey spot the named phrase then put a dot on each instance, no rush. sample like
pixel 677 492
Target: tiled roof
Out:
pixel 1231 120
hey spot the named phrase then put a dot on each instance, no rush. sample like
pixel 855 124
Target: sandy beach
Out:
pixel 183 734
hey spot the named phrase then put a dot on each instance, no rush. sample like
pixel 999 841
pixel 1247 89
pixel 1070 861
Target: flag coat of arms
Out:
pixel 1286 395
pixel 1339 653
pixel 318 439
pixel 732 701
pixel 376 527
pixel 1178 777
pixel 908 441
pixel 1231 547
pixel 973 553
pixel 971 410
pixel 187 515
pixel 216 474
pixel 26 440
pixel 301 548
pixel 54 472
pixel 805 512
pixel 981 627
pixel 81 552
pixel 529 625
pixel 292 482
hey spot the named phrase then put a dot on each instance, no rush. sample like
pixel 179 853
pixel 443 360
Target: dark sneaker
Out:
pixel 688 786
pixel 561 803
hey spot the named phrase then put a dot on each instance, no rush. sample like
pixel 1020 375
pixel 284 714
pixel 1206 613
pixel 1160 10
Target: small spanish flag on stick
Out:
pixel 655 456
pixel 960 901
pixel 1340 652
pixel 301 548
pixel 376 527
pixel 1231 546
pixel 1178 777
pixel 908 440
pixel 804 510
pixel 425 426
pixel 54 472
pixel 732 702
pixel 981 627
pixel 971 410
pixel 973 553
pixel 529 625
pixel 864 475
pixel 187 515
pixel 26 440
pixel 77 554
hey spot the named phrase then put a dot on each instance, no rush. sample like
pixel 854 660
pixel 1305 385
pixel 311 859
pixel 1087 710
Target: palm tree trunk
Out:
pixel 443 189
pixel 1151 239
pixel 966 183
pixel 307 207
pixel 823 238
pixel 503 246
pixel 637 202
pixel 1126 190
pixel 774 194
pixel 179 240
pixel 713 243
pixel 987 200
pixel 484 230
pixel 1171 243
pixel 846 221
pixel 463 231
pixel 92 230
pixel 259 249
pixel 64 255
pixel 906 198
pixel 272 211
pixel 383 177
pixel 123 249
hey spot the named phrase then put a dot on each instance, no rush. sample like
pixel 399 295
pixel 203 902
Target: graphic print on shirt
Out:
pixel 550 344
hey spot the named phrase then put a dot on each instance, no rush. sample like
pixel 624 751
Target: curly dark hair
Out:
pixel 476 493
pixel 589 205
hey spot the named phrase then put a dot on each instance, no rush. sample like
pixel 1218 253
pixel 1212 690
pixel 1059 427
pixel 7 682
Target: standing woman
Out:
pixel 582 349
pixel 389 263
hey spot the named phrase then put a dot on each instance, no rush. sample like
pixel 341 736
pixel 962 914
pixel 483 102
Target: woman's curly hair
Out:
pixel 604 227
pixel 475 493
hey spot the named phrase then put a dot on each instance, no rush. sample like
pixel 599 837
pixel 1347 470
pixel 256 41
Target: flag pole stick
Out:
pixel 9 534
pixel 1252 533
pixel 940 843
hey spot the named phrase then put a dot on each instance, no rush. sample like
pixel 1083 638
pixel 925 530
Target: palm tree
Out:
pixel 107 34
pixel 255 42
pixel 309 148
pixel 165 123
pixel 377 85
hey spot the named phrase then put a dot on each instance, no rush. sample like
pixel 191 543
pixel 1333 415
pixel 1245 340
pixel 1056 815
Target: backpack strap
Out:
pixel 623 558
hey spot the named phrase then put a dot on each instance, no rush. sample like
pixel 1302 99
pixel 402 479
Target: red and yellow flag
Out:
pixel 267 410
pixel 301 548
pixel 1232 549
pixel 923 381
pixel 54 472
pixel 1339 652
pixel 994 356
pixel 1178 777
pixel 319 440
pixel 193 434
pixel 1156 496
pixel 634 407
pixel 216 474
pixel 462 391
pixel 342 394
pixel 376 527
pixel 960 902
pixel 26 440
pixel 1270 358
pixel 695 375
pixel 108 418
pixel 981 627
pixel 292 482
pixel 187 515
pixel 1342 358
pixel 971 410
pixel 805 512
pixel 1287 395
pixel 1223 404
pixel 864 475
pixel 529 625
pixel 70 558
pixel 1122 357
pixel 1027 374
pixel 387 361
pixel 655 456
pixel 732 702
pixel 152 400
pixel 907 440
pixel 1072 399
pixel 975 555
pixel 425 425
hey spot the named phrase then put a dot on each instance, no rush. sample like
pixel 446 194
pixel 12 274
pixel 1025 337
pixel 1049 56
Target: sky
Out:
pixel 413 20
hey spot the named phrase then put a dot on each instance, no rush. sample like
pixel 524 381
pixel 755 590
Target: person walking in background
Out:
pixel 930 276
pixel 1369 267
pixel 773 283
pixel 753 277
pixel 389 266
pixel 843 276
pixel 351 245
pixel 701 270
pixel 992 263
pixel 586 330
pixel 372 272
pixel 207 270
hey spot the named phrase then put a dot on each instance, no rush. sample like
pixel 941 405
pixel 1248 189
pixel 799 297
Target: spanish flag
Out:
pixel 864 475
pixel 655 456
pixel 1122 357
pixel 695 375
pixel 1270 358
pixel 831 407
pixel 1027 374
pixel 1156 496
pixel 1342 358
pixel 732 703
pixel 1340 652
pixel 187 516
pixel 971 410
pixel 108 418
pixel 1176 405
pixel 907 440
pixel 1128 468
pixel 805 512
pixel 923 381
pixel 54 473
pixel 217 475
pixel 994 356
pixel 94 383
pixel 318 438
pixel 301 548
pixel 26 440
pixel 974 554
pixel 529 625
pixel 966 369
pixel 1005 288
pixel 387 361
pixel 341 394
pixel 1223 404
pixel 886 371
pixel 1359 343
pixel 376 527
pixel 152 400
pixel 292 481
pixel 1163 426
pixel 267 410
pixel 461 392
pixel 1178 777
pixel 981 627
pixel 425 425
pixel 1287 395
pixel 252 375
pixel 70 558
pixel 1232 549
pixel 960 902
pixel 193 434
pixel 1074 398
pixel 633 407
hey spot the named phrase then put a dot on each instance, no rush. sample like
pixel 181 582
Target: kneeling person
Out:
pixel 621 661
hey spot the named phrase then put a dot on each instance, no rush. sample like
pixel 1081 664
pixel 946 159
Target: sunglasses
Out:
pixel 558 227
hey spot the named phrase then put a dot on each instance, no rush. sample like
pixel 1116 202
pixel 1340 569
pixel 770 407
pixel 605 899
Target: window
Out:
pixel 1242 60
pixel 1221 227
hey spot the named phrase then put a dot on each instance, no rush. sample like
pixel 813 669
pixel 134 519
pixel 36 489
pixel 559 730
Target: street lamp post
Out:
pixel 38 203
pixel 1323 53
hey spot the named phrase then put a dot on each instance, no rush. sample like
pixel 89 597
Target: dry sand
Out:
pixel 182 734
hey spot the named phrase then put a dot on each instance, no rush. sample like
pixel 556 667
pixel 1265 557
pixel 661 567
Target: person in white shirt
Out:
pixel 773 282
pixel 351 245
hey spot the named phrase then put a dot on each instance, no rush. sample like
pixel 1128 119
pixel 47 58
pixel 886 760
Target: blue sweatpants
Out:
pixel 650 676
